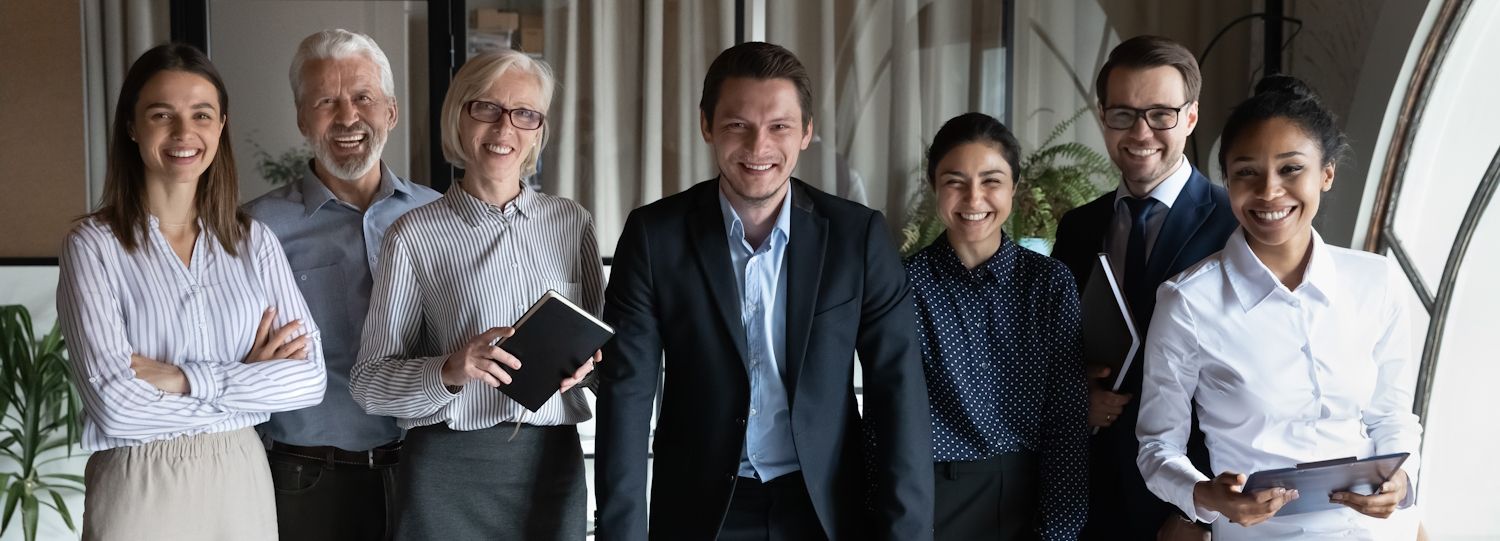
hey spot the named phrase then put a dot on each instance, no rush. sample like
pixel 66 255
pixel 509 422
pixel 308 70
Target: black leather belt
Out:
pixel 383 456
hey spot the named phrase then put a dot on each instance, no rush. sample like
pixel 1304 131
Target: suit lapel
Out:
pixel 1099 214
pixel 711 245
pixel 1183 220
pixel 804 260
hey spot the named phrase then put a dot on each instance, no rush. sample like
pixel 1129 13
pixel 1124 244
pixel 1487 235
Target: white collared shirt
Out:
pixel 1119 229
pixel 1280 377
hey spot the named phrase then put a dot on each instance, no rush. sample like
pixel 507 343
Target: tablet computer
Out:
pixel 1315 481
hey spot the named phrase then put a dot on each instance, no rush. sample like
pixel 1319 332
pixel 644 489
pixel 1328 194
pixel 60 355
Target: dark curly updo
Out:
pixel 1284 96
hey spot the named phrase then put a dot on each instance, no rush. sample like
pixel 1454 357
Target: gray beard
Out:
pixel 355 169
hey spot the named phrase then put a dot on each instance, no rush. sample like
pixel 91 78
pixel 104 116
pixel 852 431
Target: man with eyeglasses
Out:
pixel 1162 218
pixel 334 466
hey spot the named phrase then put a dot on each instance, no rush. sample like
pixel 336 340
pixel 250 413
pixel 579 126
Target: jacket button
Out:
pixel 729 477
pixel 740 421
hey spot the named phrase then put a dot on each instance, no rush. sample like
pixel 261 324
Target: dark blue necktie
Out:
pixel 1137 288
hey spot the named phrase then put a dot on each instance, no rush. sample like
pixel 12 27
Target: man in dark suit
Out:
pixel 759 290
pixel 1164 217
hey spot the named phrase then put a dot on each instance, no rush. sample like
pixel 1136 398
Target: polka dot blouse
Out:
pixel 1000 349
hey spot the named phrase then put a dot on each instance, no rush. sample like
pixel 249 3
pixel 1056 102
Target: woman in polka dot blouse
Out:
pixel 999 329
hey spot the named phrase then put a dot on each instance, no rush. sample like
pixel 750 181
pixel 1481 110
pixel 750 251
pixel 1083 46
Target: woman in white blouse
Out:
pixel 1293 350
pixel 181 319
pixel 454 275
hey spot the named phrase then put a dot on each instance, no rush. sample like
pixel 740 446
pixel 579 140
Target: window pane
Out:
pixel 1454 143
pixel 1461 434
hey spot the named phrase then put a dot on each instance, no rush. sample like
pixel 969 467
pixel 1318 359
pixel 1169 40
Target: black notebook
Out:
pixel 552 339
pixel 1109 335
pixel 1315 481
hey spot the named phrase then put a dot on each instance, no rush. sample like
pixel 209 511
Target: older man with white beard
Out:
pixel 332 464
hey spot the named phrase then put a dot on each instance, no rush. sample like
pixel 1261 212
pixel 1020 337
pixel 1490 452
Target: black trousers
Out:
pixel 321 500
pixel 995 498
pixel 776 510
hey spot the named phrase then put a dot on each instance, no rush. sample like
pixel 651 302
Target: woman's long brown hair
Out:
pixel 123 207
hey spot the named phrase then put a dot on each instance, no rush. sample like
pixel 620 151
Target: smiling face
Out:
pixel 974 186
pixel 177 126
pixel 1276 178
pixel 756 134
pixel 1146 156
pixel 496 152
pixel 345 115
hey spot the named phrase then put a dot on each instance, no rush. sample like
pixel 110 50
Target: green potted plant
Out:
pixel 284 168
pixel 39 421
pixel 1054 178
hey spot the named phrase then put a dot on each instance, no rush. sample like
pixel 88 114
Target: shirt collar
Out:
pixel 477 212
pixel 997 265
pixel 315 194
pixel 1253 282
pixel 735 228
pixel 1168 190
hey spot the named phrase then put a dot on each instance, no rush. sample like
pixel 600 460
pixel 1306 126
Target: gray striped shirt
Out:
pixel 452 269
pixel 201 317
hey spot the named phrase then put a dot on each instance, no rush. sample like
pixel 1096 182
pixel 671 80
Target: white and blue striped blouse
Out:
pixel 451 270
pixel 201 317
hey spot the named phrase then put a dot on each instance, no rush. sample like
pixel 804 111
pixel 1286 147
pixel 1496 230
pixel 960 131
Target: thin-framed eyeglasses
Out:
pixel 490 113
pixel 1157 118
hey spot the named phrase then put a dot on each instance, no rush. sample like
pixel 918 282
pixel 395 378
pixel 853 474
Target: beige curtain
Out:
pixel 115 33
pixel 886 75
pixel 625 117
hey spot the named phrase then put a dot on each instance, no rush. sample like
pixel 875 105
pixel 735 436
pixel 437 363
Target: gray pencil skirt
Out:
pixel 477 485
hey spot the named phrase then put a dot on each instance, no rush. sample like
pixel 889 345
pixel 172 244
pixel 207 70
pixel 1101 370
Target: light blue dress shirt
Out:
pixel 760 272
pixel 333 247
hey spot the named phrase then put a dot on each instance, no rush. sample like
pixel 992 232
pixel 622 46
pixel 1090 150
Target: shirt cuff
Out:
pixel 1183 479
pixel 1411 489
pixel 432 381
pixel 203 380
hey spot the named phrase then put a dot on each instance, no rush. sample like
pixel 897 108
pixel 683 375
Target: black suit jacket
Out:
pixel 672 291
pixel 1198 224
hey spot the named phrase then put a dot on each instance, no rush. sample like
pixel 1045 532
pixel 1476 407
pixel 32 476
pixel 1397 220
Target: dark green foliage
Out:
pixel 39 416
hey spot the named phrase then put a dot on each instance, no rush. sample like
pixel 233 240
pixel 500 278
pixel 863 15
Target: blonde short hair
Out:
pixel 473 79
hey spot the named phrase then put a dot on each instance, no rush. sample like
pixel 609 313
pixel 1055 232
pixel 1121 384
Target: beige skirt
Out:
pixel 204 487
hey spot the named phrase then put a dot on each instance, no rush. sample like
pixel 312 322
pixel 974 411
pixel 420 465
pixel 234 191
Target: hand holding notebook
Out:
pixel 544 353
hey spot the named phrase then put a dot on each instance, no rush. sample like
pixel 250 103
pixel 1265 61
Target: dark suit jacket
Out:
pixel 672 291
pixel 1198 224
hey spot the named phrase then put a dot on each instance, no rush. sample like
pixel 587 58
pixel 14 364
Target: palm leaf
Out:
pixel 29 513
pixel 65 476
pixel 41 409
pixel 62 509
pixel 12 497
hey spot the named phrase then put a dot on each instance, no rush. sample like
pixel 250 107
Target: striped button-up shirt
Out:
pixel 452 269
pixel 201 317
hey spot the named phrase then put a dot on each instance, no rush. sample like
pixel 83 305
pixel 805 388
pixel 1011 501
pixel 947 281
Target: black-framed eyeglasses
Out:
pixel 1157 118
pixel 490 113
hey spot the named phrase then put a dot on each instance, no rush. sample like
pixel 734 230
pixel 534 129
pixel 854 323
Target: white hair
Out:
pixel 338 43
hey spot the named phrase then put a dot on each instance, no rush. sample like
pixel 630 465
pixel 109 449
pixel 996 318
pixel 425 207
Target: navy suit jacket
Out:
pixel 1196 226
pixel 672 299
